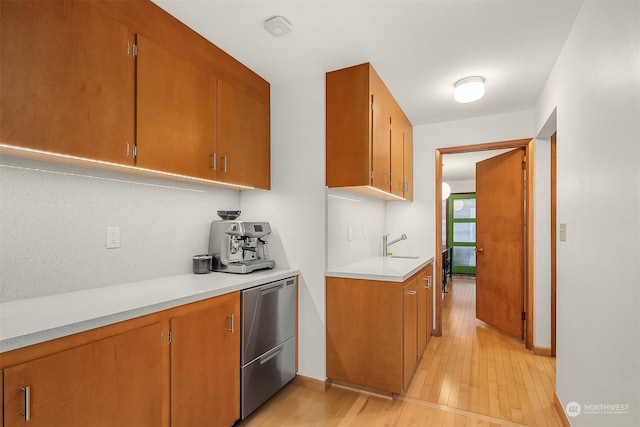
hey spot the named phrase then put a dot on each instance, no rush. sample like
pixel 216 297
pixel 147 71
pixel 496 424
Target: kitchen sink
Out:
pixel 404 256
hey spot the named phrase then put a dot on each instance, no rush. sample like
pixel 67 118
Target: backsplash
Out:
pixel 367 219
pixel 54 219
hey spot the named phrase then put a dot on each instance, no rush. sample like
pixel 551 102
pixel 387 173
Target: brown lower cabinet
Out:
pixel 205 365
pixel 130 374
pixel 375 330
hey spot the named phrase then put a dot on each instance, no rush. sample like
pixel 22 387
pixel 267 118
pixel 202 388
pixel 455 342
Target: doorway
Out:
pixel 527 145
pixel 461 232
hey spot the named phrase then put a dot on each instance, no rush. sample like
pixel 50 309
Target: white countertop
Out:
pixel 35 320
pixel 387 269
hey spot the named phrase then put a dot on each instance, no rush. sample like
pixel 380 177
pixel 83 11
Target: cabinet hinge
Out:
pixel 169 337
pixel 135 50
pixel 372 106
pixel 134 151
pixel 524 315
pixel 371 174
pixel 524 165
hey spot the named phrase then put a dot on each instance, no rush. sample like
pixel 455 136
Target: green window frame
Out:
pixel 451 221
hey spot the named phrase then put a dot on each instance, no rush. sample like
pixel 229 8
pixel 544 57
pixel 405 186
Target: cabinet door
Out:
pixel 115 381
pixel 380 133
pixel 422 312
pixel 67 80
pixel 348 127
pixel 243 138
pixel 205 365
pixel 410 321
pixel 176 113
pixel 365 333
pixel 408 160
pixel 397 151
pixel 430 292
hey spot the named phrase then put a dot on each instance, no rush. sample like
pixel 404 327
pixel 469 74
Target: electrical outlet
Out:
pixel 113 237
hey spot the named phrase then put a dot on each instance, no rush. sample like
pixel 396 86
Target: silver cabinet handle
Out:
pixel 214 161
pixel 224 163
pixel 428 280
pixel 233 323
pixel 27 403
pixel 413 292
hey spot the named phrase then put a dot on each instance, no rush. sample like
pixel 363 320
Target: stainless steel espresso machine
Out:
pixel 238 246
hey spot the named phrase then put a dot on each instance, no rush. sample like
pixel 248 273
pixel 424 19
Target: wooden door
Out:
pixel 67 80
pixel 176 113
pixel 205 365
pixel 500 242
pixel 115 381
pixel 380 132
pixel 409 327
pixel 244 147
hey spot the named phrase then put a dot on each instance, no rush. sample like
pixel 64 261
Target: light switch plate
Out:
pixel 563 232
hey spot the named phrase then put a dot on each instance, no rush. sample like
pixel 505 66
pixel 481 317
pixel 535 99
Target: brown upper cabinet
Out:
pixel 244 147
pixel 126 83
pixel 67 80
pixel 175 114
pixel 369 138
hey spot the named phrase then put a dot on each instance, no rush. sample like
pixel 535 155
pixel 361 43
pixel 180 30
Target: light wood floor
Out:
pixel 471 376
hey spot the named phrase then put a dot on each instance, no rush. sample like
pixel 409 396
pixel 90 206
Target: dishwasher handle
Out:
pixel 271 354
pixel 270 289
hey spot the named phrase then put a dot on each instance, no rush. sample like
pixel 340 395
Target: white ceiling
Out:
pixel 419 48
pixel 462 166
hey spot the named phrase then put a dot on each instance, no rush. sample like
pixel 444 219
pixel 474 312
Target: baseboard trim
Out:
pixel 542 351
pixel 560 411
pixel 312 383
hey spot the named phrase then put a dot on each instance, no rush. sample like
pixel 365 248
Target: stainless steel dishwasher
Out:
pixel 268 338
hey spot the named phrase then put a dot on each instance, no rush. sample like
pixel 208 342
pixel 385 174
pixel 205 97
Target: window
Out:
pixel 461 232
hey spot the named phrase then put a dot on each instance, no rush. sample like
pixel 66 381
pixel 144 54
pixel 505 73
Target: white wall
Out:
pixel 542 243
pixel 367 219
pixel 54 219
pixel 462 186
pixel 595 89
pixel 296 206
pixel 417 219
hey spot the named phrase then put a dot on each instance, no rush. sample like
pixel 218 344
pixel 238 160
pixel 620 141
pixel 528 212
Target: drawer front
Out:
pixel 267 374
pixel 268 317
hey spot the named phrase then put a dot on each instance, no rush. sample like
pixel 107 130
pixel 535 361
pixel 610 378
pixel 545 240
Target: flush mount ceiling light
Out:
pixel 469 89
pixel 278 26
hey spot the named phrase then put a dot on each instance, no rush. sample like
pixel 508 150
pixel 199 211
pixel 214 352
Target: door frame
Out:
pixel 527 145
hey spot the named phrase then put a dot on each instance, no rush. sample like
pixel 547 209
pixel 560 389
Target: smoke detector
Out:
pixel 278 26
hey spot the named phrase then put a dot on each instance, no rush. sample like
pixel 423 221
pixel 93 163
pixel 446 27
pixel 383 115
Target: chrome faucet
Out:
pixel 386 244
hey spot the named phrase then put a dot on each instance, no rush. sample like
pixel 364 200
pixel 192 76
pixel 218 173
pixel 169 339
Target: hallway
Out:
pixel 471 376
pixel 475 368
